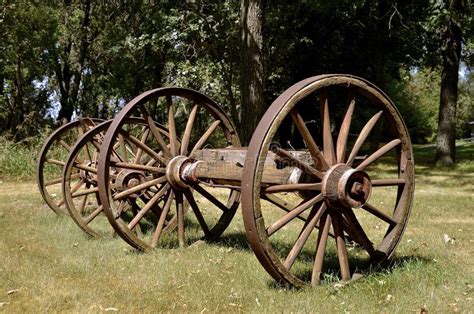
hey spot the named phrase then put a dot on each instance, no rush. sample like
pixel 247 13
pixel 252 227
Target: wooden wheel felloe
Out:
pixel 152 173
pixel 52 158
pixel 349 196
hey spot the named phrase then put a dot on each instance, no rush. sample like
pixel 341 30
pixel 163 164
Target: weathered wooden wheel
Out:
pixel 162 158
pixel 80 188
pixel 358 192
pixel 52 158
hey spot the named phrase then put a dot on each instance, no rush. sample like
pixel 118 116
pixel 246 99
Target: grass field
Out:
pixel 48 264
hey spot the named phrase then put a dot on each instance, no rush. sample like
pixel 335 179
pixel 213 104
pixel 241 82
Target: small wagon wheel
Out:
pixel 350 197
pixel 201 123
pixel 79 184
pixel 52 158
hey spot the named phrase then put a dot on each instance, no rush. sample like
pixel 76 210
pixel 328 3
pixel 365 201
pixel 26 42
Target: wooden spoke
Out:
pixel 139 187
pixel 144 147
pixel 180 216
pixel 362 137
pixel 379 214
pixel 387 182
pixel 277 201
pixel 121 208
pixel 188 130
pixel 138 154
pixel 81 129
pixel 344 131
pixel 77 186
pixel 359 231
pixel 172 126
pixel 328 145
pixel 197 212
pixel 139 215
pixel 85 168
pixel 161 221
pixel 156 133
pixel 94 214
pixel 86 123
pixel 135 209
pixel 210 197
pixel 61 202
pixel 85 192
pixel 304 235
pixel 126 165
pixel 55 162
pixel 59 180
pixel 200 143
pixel 304 166
pixel 65 145
pixel 292 187
pixel 379 153
pixel 282 204
pixel 285 219
pixel 316 154
pixel 320 249
pixel 88 153
pixel 83 204
pixel 341 247
pixel 97 145
pixel 123 147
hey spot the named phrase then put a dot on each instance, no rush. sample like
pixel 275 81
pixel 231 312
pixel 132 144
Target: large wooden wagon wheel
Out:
pixel 194 122
pixel 79 184
pixel 351 192
pixel 52 158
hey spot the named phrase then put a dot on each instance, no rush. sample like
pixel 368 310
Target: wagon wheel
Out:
pixel 351 197
pixel 52 158
pixel 79 183
pixel 200 123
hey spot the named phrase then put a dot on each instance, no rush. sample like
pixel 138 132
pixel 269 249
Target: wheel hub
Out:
pixel 345 186
pixel 127 179
pixel 88 176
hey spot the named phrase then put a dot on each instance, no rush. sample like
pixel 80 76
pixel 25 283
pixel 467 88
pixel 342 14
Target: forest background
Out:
pixel 63 59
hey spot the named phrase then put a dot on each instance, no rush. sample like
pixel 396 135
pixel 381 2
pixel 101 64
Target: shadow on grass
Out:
pixel 236 240
pixel 330 275
pixel 424 155
pixel 360 265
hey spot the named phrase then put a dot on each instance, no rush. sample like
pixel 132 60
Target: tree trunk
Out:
pixel 69 72
pixel 252 71
pixel 446 138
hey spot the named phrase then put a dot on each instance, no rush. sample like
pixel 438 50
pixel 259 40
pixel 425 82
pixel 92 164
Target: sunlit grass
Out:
pixel 48 264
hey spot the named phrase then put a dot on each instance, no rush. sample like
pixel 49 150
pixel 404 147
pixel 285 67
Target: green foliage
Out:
pixel 366 38
pixel 23 52
pixel 92 57
pixel 465 108
pixel 417 97
pixel 435 28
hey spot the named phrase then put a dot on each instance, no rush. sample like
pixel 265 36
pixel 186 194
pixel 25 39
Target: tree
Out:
pixel 451 55
pixel 23 63
pixel 252 69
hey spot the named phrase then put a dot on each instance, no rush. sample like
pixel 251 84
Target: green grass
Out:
pixel 18 160
pixel 48 264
